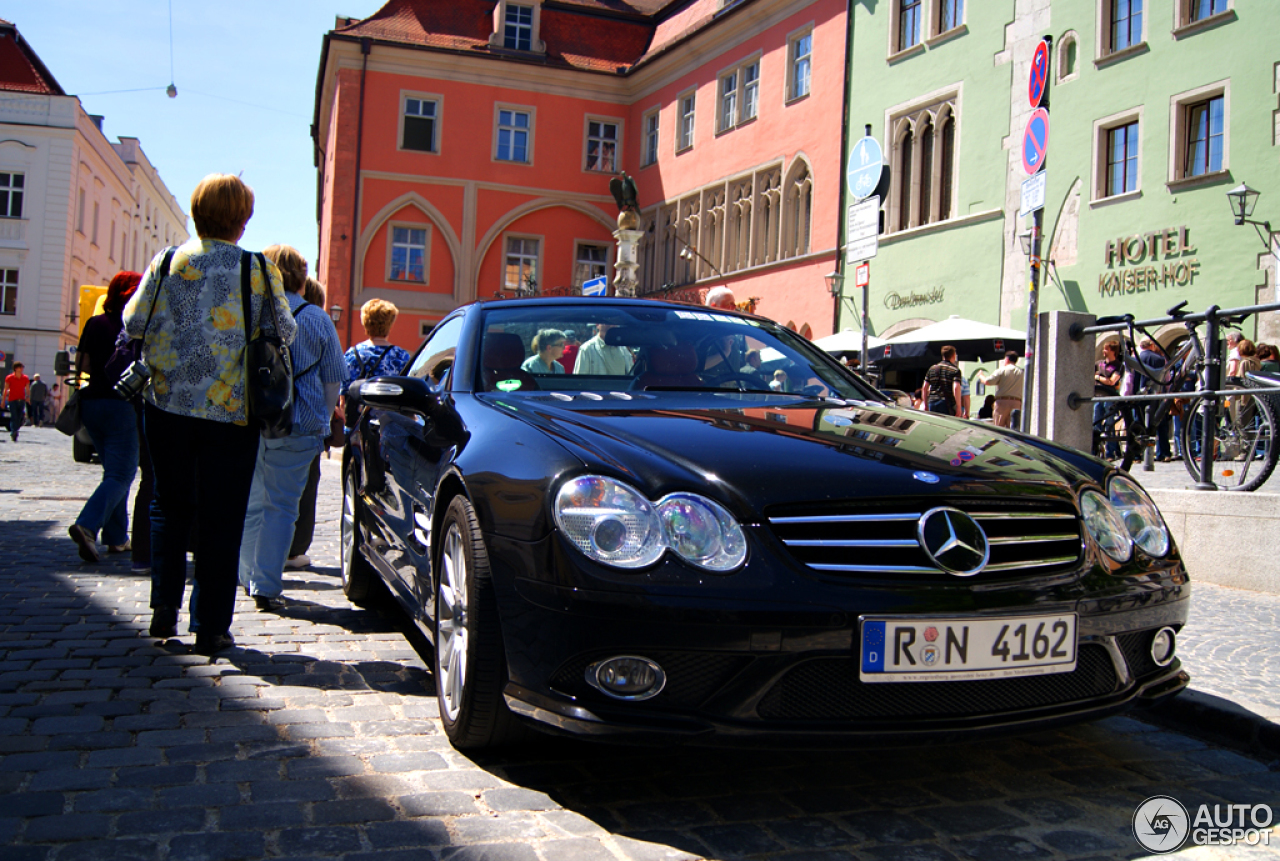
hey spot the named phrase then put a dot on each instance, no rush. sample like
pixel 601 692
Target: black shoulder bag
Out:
pixel 268 370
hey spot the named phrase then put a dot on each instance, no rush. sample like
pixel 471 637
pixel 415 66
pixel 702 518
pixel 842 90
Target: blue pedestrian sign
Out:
pixel 866 161
pixel 1035 141
pixel 595 286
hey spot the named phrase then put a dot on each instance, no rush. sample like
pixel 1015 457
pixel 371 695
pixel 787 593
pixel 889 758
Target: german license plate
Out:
pixel 910 649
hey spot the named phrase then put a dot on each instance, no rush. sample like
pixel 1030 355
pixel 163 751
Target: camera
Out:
pixel 132 380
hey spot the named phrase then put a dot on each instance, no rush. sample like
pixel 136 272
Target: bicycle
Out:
pixel 1243 427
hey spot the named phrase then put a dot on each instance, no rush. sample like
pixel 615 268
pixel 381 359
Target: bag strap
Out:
pixel 164 273
pixel 268 298
pixel 365 364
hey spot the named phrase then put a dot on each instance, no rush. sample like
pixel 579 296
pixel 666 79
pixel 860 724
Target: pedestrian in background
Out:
pixel 721 297
pixel 942 392
pixel 39 399
pixel 598 357
pixel 203 446
pixel 283 465
pixel 304 527
pixel 17 389
pixel 377 356
pixel 1106 383
pixel 111 422
pixel 1153 359
pixel 1008 380
pixel 1268 359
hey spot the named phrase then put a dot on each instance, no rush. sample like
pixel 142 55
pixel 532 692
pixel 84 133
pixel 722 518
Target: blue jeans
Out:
pixel 17 410
pixel 113 426
pixel 1105 417
pixel 278 482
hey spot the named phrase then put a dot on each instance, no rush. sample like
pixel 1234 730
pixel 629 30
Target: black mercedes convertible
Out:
pixel 703 528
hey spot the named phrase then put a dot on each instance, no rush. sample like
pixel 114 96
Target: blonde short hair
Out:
pixel 313 292
pixel 292 266
pixel 221 206
pixel 377 316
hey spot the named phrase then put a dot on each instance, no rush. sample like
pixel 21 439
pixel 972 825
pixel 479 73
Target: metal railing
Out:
pixel 1211 391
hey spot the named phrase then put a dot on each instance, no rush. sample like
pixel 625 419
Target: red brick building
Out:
pixel 465 147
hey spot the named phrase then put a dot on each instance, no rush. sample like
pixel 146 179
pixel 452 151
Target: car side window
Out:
pixel 437 355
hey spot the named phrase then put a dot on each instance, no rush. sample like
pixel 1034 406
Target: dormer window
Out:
pixel 515 26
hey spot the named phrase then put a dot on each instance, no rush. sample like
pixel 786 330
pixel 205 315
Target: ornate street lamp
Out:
pixel 335 313
pixel 835 281
pixel 1243 199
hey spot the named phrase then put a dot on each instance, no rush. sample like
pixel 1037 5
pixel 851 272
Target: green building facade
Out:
pixel 1157 108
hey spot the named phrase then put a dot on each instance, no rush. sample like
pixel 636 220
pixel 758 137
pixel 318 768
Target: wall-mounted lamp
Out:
pixel 1243 199
pixel 1024 239
pixel 835 281
pixel 335 313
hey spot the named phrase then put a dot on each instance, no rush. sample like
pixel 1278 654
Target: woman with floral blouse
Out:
pixel 190 317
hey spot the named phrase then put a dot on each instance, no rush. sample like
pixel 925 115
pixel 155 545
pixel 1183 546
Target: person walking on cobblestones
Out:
pixel 39 398
pixel 284 464
pixel 112 425
pixel 16 394
pixel 203 447
pixel 305 526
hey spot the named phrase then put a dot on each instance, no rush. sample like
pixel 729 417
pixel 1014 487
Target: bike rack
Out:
pixel 1212 373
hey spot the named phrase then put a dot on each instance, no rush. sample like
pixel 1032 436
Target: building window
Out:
pixel 419 124
pixel 8 291
pixel 908 24
pixel 602 146
pixel 1123 24
pixel 1198 10
pixel 520 271
pixel 1205 129
pixel 518 28
pixel 408 254
pixel 590 261
pixel 684 139
pixel 111 248
pixel 800 51
pixel 80 213
pixel 923 157
pixel 1068 51
pixel 94 238
pixel 514 128
pixel 950 15
pixel 1122 160
pixel 651 137
pixel 739 96
pixel 11 192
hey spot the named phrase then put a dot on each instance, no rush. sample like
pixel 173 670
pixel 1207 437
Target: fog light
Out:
pixel 1162 647
pixel 627 677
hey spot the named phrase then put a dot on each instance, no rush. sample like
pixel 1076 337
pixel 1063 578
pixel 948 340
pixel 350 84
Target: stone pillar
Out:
pixel 625 278
pixel 1063 366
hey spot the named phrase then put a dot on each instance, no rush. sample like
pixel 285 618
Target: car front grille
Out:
pixel 827 689
pixel 877 539
pixel 1136 648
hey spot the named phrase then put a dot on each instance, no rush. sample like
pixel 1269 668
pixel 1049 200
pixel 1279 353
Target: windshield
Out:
pixel 602 347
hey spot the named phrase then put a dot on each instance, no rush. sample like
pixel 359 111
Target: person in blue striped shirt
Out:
pixel 319 375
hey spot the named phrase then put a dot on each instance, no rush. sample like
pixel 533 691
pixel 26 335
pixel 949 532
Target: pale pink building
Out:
pixel 465 150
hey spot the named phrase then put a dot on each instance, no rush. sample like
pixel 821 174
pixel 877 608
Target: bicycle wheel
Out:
pixel 1244 441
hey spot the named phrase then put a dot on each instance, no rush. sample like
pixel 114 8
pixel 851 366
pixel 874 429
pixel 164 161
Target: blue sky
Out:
pixel 246 76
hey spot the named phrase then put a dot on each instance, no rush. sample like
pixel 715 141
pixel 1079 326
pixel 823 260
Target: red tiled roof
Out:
pixel 20 68
pixel 580 34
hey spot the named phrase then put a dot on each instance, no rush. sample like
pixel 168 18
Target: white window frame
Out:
pixel 1102 129
pixel 437 121
pixel 935 18
pixel 945 104
pixel 896 51
pixel 1184 26
pixel 1104 51
pixel 9 190
pixel 616 140
pixel 1178 110
pixel 498 108
pixel 1062 74
pixel 579 261
pixel 498 37
pixel 650 136
pixel 686 121
pixel 536 258
pixel 793 64
pixel 392 245
pixel 732 84
pixel 8 286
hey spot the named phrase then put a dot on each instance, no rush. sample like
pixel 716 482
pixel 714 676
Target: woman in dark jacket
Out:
pixel 111 423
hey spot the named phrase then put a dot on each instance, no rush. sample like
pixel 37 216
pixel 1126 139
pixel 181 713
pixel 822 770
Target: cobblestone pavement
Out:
pixel 318 738
pixel 1174 476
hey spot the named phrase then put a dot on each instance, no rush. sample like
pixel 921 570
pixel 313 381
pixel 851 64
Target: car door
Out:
pixel 415 450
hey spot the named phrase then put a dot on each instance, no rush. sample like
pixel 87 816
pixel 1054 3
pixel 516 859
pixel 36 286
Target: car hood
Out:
pixel 764 451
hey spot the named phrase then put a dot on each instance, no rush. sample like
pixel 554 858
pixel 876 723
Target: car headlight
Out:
pixel 1141 518
pixel 613 523
pixel 702 532
pixel 1105 526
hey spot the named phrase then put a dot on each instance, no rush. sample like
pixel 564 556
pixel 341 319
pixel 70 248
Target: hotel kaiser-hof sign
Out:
pixel 1147 262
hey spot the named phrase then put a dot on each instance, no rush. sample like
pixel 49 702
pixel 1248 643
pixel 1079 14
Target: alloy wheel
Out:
pixel 451 624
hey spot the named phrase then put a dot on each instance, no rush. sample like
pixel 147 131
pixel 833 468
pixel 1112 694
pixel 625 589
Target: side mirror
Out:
pixel 400 394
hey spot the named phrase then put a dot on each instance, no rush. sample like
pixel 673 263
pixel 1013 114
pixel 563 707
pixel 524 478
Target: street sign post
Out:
pixel 862 275
pixel 1038 81
pixel 1035 141
pixel 866 162
pixel 863 232
pixel 1033 192
pixel 595 286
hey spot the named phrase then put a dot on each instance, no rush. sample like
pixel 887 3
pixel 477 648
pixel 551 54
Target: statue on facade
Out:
pixel 623 189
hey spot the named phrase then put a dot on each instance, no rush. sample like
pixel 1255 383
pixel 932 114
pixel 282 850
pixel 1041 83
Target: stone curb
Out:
pixel 1212 717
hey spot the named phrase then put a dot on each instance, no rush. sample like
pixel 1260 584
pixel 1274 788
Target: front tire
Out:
pixel 358 576
pixel 470 663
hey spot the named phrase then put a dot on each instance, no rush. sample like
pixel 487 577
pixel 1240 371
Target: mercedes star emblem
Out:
pixel 954 541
